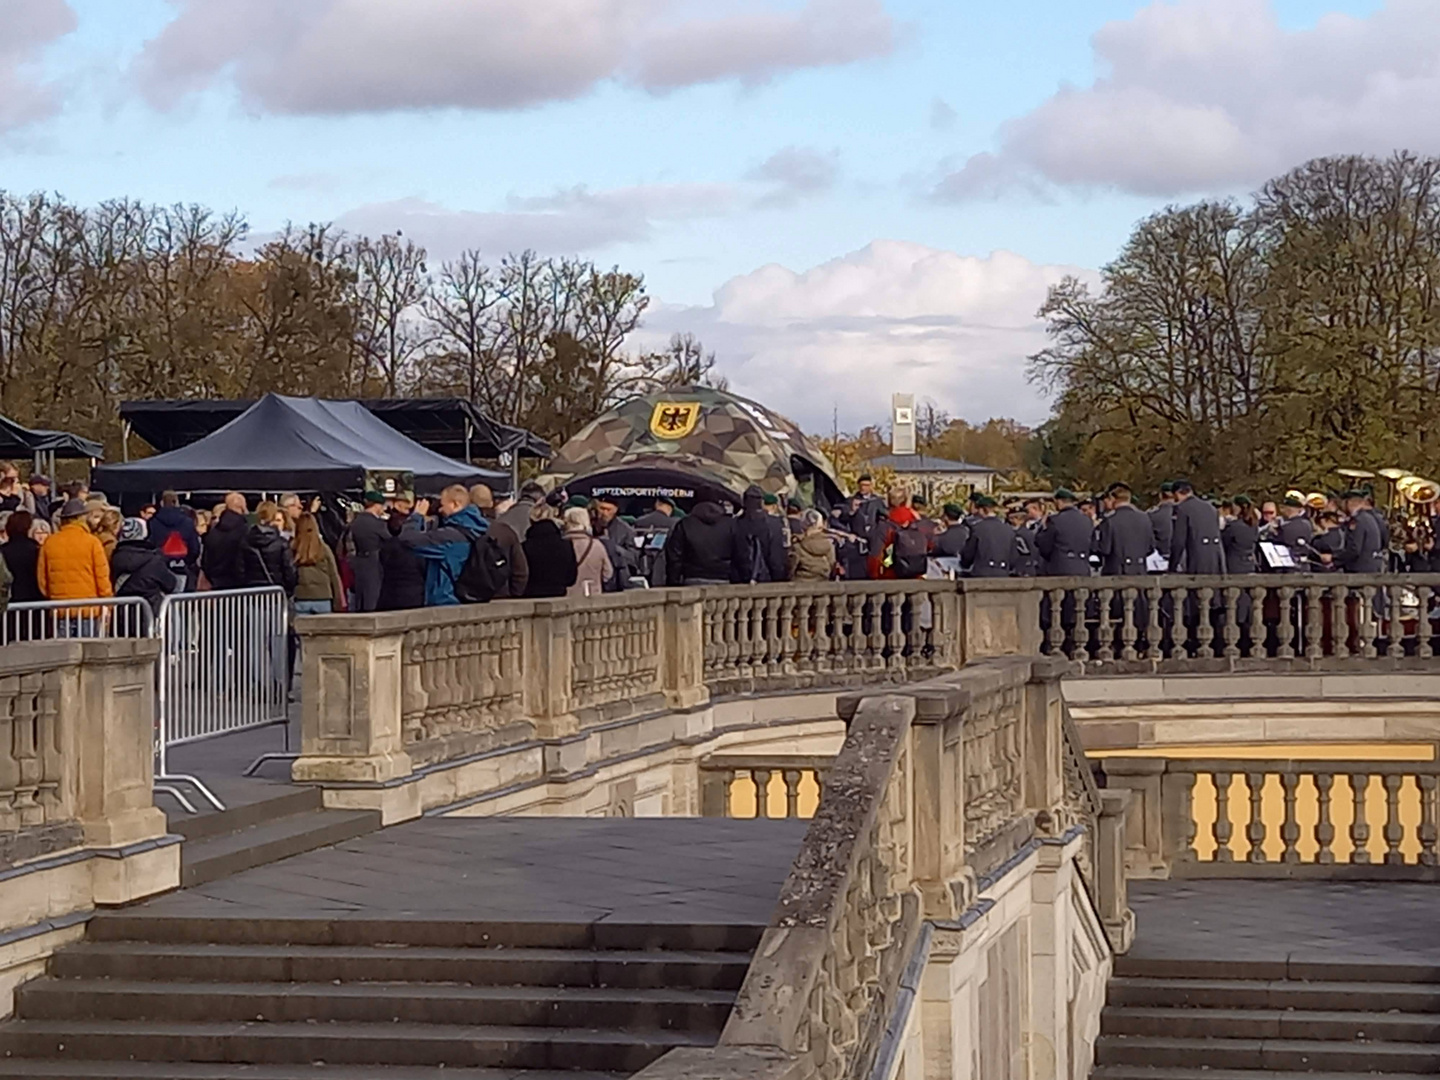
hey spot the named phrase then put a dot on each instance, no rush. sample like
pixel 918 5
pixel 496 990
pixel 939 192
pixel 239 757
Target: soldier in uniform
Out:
pixel 1064 541
pixel 1240 539
pixel 1295 532
pixel 951 540
pixel 1162 518
pixel 1195 539
pixel 994 547
pixel 1125 538
pixel 1364 543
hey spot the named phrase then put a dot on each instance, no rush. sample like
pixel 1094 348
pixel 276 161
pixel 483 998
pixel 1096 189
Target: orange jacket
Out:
pixel 72 565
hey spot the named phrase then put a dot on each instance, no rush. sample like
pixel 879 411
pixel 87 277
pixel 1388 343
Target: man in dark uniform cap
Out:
pixel 1364 543
pixel 1295 532
pixel 1125 538
pixel 1063 542
pixel 994 548
pixel 1195 540
pixel 1162 519
pixel 951 540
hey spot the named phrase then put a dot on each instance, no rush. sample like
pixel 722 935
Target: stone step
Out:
pixel 246 929
pixel 1296 1055
pixel 269 841
pixel 1270 1024
pixel 1141 1072
pixel 487 1046
pixel 712 970
pixel 570 1007
pixel 1274 994
pixel 1153 967
pixel 163 1070
pixel 283 802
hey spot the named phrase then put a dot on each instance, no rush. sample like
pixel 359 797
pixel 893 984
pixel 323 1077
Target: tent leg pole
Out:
pixel 515 473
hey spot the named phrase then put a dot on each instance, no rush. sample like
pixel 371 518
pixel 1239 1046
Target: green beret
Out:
pixel 770 499
pixel 1241 500
pixel 1167 488
pixel 984 500
pixel 1065 493
pixel 1291 500
pixel 952 510
pixel 578 501
pixel 374 498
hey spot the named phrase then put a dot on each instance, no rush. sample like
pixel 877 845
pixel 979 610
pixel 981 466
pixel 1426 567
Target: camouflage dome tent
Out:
pixel 690 443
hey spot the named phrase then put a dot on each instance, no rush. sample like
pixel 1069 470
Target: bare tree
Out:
pixel 392 286
pixel 463 311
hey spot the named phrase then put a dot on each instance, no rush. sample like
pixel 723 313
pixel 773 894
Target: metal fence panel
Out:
pixel 51 620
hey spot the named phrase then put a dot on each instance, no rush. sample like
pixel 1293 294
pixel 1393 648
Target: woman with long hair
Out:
pixel 1240 538
pixel 319 590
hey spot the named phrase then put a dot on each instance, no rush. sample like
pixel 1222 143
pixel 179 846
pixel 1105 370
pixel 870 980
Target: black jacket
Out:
pixel 138 569
pixel 223 558
pixel 368 534
pixel 763 538
pixel 21 556
pixel 1195 542
pixel 1124 540
pixel 704 547
pixel 551 559
pixel 402 573
pixel 267 560
pixel 993 550
pixel 1240 543
pixel 1064 543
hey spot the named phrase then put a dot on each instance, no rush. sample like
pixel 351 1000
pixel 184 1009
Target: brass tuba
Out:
pixel 1417 490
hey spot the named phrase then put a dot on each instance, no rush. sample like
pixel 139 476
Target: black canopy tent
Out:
pixel 43 446
pixel 301 444
pixel 453 427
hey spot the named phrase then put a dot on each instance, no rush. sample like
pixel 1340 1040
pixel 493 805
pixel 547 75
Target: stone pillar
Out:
pixel 1145 854
pixel 1112 898
pixel 549 662
pixel 1044 755
pixel 1051 961
pixel 999 618
pixel 351 700
pixel 682 641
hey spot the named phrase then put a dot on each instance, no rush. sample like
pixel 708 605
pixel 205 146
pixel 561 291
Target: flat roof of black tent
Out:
pixel 300 443
pixel 436 423
pixel 19 441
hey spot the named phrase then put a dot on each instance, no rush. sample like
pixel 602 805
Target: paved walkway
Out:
pixel 1286 920
pixel 573 870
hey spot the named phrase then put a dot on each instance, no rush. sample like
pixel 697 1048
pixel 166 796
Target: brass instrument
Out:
pixel 1417 490
pixel 1316 500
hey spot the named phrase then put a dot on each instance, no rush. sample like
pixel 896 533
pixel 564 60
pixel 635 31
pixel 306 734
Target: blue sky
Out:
pixel 851 198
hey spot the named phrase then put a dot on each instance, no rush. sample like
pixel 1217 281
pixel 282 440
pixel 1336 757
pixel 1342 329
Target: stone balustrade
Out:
pixel 1275 622
pixel 1336 820
pixel 766 786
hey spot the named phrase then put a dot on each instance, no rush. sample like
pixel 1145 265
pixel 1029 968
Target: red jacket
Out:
pixel 896 518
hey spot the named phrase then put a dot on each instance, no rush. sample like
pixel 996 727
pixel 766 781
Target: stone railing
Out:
pixel 1337 820
pixel 731 785
pixel 937 786
pixel 1262 621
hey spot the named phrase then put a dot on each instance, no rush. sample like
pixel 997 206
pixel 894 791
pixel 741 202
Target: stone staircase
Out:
pixel 179 998
pixel 1241 1020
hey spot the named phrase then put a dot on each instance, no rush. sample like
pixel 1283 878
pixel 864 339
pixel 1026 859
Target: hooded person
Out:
pixel 704 548
pixel 172 532
pixel 762 535
pixel 137 568
pixel 446 546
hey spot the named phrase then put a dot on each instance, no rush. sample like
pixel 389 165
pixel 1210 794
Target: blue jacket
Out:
pixel 172 519
pixel 445 549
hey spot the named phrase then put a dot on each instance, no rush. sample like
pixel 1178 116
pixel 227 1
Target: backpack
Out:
pixel 485 573
pixel 910 551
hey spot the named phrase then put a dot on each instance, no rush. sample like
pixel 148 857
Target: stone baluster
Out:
pixel 1257 620
pixel 795 624
pixel 1314 623
pixel 1339 621
pixel 1204 627
pixel 1178 827
pixel 1222 829
pixel 1423 648
pixel 1105 646
pixel 1154 630
pixel 1181 631
pixel 792 792
pixel 857 641
pixel 1129 633
pixel 826 617
pixel 1369 627
pixel 777 633
pixel 1359 827
pixel 1396 629
pixel 1290 827
pixel 1394 831
pixel 1324 829
pixel 761 778
pixel 804 614
pixel 9 764
pixel 1429 830
pixel 1231 626
pixel 730 620
pixel 895 639
pixel 709 637
pixel 1255 828
pixel 1285 649
pixel 1082 626
pixel 875 649
pixel 1055 635
pixel 750 633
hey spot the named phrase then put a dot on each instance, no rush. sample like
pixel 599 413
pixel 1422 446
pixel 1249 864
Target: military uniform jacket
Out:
pixel 1195 541
pixel 1239 542
pixel 1124 541
pixel 1162 526
pixel 1064 544
pixel 1364 551
pixel 952 540
pixel 993 549
pixel 1295 533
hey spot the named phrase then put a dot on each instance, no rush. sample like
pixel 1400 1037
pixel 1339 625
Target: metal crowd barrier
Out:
pixel 52 620
pixel 224 667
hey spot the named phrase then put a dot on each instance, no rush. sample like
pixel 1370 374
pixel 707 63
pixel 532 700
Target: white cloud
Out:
pixel 569 221
pixel 1203 95
pixel 343 56
pixel 893 316
pixel 26 28
pixel 794 173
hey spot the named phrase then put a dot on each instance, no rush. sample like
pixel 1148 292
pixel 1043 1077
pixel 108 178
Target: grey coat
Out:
pixel 368 533
pixel 993 550
pixel 1295 533
pixel 1162 526
pixel 1364 546
pixel 1195 542
pixel 1124 541
pixel 1064 543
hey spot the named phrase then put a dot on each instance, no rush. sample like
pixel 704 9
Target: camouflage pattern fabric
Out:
pixel 718 438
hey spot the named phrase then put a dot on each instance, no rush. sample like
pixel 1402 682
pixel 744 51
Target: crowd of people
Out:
pixel 396 552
